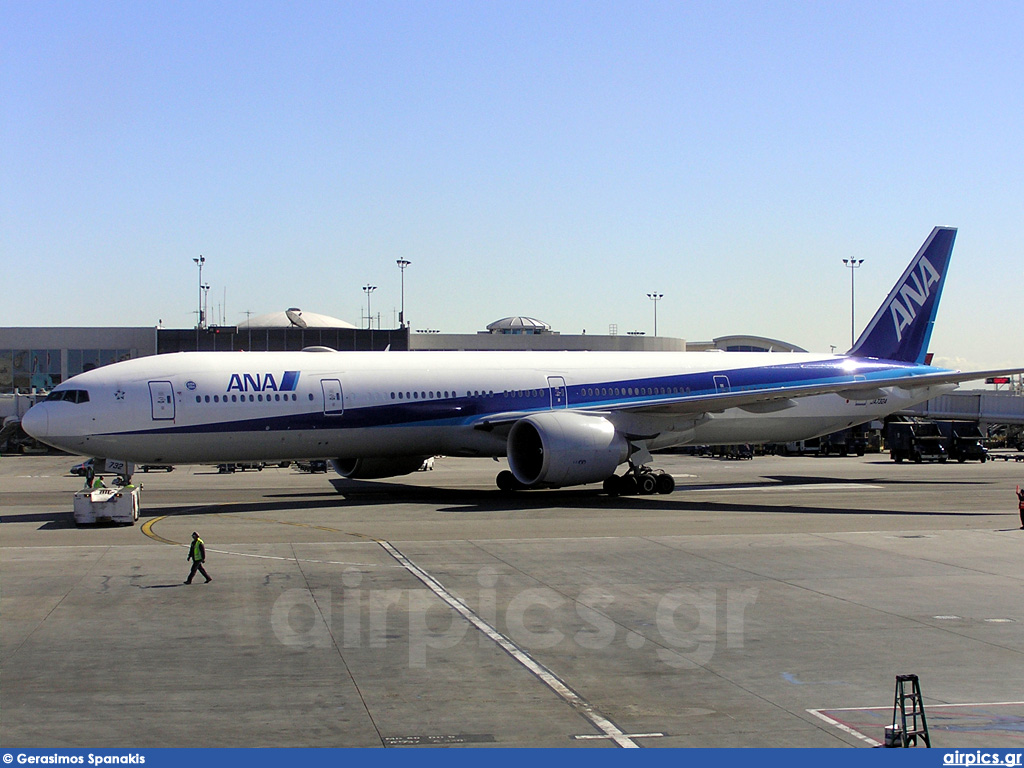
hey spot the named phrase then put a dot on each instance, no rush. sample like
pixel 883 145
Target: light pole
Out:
pixel 655 297
pixel 199 263
pixel 368 289
pixel 248 328
pixel 402 264
pixel 852 264
pixel 206 300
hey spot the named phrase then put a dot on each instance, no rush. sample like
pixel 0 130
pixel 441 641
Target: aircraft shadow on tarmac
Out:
pixel 367 493
pixel 869 481
pixel 469 501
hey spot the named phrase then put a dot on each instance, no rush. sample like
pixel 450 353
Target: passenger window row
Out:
pixel 277 397
pixel 632 391
pixel 584 392
pixel 445 394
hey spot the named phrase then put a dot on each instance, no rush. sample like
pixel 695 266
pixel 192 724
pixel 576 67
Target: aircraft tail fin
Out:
pixel 902 326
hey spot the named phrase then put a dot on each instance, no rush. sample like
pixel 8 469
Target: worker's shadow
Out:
pixel 160 586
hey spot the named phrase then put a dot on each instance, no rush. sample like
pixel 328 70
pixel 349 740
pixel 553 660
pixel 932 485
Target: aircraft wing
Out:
pixel 766 400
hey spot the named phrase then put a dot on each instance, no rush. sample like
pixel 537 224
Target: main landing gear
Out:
pixel 636 480
pixel 640 480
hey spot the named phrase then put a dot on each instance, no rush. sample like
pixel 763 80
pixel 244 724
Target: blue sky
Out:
pixel 554 159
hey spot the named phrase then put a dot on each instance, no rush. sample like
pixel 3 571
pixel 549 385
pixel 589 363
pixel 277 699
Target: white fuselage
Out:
pixel 243 406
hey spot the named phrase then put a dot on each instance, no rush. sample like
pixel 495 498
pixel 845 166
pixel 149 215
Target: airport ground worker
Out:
pixel 1020 506
pixel 92 480
pixel 197 554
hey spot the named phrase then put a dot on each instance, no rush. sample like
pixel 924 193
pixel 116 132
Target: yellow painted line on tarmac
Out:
pixel 147 529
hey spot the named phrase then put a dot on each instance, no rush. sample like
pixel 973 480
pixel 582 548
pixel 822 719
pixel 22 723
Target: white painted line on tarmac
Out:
pixel 595 736
pixel 853 732
pixel 930 706
pixel 845 728
pixel 783 487
pixel 299 559
pixel 545 675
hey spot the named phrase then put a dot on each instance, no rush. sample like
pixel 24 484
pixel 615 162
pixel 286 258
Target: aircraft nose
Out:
pixel 36 422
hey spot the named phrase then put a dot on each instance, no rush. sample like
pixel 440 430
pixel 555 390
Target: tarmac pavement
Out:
pixel 765 603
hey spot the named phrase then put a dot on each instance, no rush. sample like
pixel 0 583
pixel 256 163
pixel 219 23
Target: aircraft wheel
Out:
pixel 666 484
pixel 627 485
pixel 647 484
pixel 507 481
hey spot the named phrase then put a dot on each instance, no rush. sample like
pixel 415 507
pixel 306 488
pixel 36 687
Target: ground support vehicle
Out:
pixel 843 442
pixel 963 440
pixel 108 505
pixel 916 441
pixel 227 469
pixel 1007 456
pixel 313 466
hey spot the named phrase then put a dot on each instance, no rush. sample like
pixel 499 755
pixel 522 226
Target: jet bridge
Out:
pixel 985 407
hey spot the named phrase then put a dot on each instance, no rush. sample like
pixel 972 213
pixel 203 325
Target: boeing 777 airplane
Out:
pixel 561 418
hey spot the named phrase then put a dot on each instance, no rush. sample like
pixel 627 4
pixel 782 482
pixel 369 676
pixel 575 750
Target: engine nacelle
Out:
pixel 373 468
pixel 557 448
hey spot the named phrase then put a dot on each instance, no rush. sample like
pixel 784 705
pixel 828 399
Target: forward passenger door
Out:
pixel 161 396
pixel 334 404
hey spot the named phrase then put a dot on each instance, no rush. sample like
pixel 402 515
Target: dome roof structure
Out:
pixel 519 324
pixel 744 343
pixel 294 318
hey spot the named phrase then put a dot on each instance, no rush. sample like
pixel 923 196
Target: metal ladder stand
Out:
pixel 914 713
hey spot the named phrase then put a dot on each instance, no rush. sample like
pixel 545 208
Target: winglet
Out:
pixel 902 326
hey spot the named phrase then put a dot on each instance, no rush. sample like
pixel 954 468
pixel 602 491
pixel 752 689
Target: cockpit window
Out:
pixel 69 395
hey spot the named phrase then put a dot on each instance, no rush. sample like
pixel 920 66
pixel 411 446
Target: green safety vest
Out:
pixel 194 551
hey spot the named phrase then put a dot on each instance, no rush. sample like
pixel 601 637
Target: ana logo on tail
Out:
pixel 902 306
pixel 902 326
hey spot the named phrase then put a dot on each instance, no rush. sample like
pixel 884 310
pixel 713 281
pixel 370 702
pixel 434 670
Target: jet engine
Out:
pixel 558 448
pixel 373 468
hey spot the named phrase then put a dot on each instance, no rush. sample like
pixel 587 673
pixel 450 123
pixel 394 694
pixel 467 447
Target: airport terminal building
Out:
pixel 37 359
